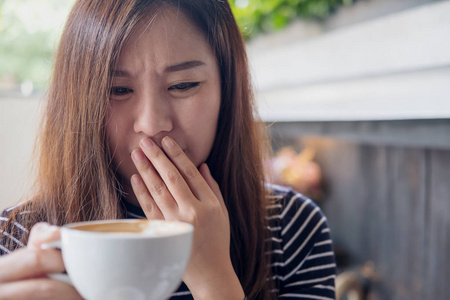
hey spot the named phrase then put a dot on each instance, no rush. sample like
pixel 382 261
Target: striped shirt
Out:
pixel 302 258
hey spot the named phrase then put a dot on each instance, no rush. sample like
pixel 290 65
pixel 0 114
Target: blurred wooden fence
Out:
pixel 387 198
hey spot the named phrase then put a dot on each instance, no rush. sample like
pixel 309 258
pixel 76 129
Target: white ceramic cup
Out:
pixel 133 259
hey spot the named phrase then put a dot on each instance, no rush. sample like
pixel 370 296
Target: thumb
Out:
pixel 43 233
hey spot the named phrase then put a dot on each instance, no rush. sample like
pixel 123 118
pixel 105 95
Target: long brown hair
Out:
pixel 75 177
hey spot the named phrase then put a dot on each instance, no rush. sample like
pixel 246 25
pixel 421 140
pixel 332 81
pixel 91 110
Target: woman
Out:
pixel 150 115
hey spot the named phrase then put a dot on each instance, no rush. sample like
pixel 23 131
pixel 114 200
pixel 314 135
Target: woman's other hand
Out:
pixel 23 273
pixel 169 186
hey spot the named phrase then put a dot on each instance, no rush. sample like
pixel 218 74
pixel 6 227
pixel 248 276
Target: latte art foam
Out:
pixel 144 227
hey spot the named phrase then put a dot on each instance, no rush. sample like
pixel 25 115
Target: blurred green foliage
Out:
pixel 25 57
pixel 29 32
pixel 258 16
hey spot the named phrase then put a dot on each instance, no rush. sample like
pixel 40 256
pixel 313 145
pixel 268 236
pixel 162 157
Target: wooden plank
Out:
pixel 437 271
pixel 376 209
pixel 339 162
pixel 408 196
pixel 387 204
pixel 374 242
pixel 403 133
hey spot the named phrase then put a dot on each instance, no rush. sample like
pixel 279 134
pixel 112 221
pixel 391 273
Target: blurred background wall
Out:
pixel 18 124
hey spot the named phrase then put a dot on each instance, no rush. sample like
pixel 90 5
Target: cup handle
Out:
pixel 56 276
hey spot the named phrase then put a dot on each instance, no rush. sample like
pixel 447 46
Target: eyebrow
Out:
pixel 184 66
pixel 174 68
pixel 120 73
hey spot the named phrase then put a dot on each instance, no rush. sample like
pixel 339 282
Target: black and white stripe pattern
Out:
pixel 303 265
pixel 302 258
pixel 12 235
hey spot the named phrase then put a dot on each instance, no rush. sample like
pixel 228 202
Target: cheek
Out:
pixel 203 132
pixel 118 125
pixel 115 138
pixel 120 150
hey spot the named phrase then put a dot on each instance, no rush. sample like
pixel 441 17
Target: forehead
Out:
pixel 165 37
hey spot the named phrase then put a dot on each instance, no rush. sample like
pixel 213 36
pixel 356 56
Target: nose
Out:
pixel 153 116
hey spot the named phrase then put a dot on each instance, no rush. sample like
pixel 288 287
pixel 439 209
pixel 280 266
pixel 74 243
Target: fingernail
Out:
pixel 168 142
pixel 138 155
pixel 147 143
pixel 135 180
pixel 42 227
pixel 45 230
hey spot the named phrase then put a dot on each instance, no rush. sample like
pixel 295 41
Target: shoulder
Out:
pixel 292 208
pixel 12 228
pixel 302 253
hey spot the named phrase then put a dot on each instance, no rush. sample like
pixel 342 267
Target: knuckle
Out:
pixel 158 189
pixel 148 207
pixel 144 166
pixel 155 153
pixel 141 191
pixel 177 152
pixel 34 259
pixel 193 217
pixel 173 176
pixel 191 172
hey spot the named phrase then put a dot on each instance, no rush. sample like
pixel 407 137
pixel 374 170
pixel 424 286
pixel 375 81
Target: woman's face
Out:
pixel 166 83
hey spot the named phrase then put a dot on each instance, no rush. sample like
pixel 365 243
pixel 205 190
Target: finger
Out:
pixel 29 262
pixel 205 172
pixel 146 201
pixel 41 288
pixel 187 169
pixel 154 184
pixel 169 173
pixel 43 233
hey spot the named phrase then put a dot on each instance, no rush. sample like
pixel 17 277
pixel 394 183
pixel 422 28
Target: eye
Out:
pixel 119 92
pixel 183 86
